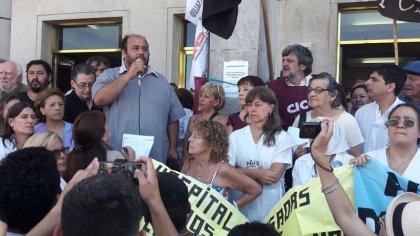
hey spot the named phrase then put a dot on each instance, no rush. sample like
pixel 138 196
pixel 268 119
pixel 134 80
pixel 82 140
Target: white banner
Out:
pixel 194 11
pixel 199 61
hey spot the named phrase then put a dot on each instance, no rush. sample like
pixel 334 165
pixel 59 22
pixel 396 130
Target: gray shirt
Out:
pixel 145 106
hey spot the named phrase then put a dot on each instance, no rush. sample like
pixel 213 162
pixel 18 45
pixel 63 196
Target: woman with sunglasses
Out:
pixel 402 155
pixel 403 222
pixel 211 100
pixel 54 143
pixel 324 99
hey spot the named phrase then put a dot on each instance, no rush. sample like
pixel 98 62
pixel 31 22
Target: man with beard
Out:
pixel 11 79
pixel 138 100
pixel 290 88
pixel 39 75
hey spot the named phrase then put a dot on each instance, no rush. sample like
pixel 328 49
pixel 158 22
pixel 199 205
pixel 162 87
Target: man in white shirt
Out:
pixel 384 85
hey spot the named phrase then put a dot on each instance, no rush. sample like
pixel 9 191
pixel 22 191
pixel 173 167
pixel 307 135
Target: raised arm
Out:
pixel 149 192
pixel 337 199
pixel 53 218
pixel 109 92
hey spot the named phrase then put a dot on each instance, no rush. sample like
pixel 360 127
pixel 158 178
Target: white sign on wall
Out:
pixel 232 72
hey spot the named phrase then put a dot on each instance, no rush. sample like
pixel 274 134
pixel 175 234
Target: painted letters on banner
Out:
pixel 404 10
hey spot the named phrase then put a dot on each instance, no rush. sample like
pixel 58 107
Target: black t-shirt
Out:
pixel 24 97
pixel 74 106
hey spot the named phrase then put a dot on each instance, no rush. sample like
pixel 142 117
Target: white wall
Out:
pixel 5 16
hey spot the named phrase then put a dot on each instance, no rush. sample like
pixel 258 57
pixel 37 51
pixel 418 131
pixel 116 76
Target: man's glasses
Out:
pixel 57 152
pixel 408 123
pixel 358 96
pixel 83 86
pixel 316 90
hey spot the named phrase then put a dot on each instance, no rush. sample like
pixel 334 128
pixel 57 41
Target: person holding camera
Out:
pixel 304 168
pixel 403 221
pixel 262 151
pixel 324 99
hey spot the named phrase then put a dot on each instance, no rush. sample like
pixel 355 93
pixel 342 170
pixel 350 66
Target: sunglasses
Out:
pixel 57 152
pixel 408 123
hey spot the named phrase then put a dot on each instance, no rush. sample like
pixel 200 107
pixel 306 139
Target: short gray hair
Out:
pixel 331 86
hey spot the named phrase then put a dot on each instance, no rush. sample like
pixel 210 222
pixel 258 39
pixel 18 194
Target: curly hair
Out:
pixel 29 186
pixel 217 91
pixel 40 102
pixel 216 138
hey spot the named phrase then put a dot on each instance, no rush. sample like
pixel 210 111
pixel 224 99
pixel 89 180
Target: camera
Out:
pixel 125 168
pixel 309 129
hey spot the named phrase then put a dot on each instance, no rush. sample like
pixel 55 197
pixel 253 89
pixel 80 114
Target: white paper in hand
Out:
pixel 141 144
pixel 294 133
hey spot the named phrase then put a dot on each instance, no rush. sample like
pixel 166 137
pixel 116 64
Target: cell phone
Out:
pixel 117 167
pixel 309 129
pixel 124 150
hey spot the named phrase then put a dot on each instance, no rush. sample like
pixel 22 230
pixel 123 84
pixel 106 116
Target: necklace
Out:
pixel 399 168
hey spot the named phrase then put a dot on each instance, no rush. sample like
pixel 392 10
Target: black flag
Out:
pixel 404 10
pixel 219 16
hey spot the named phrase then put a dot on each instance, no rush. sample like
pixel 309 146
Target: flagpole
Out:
pixel 267 40
pixel 395 32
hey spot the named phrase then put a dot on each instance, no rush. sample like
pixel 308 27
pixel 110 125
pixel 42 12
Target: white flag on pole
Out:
pixel 201 43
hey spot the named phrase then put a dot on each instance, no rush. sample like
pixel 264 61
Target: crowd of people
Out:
pixel 52 143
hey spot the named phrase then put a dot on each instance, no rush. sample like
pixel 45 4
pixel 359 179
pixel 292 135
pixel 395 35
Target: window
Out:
pixel 74 42
pixel 365 40
pixel 185 55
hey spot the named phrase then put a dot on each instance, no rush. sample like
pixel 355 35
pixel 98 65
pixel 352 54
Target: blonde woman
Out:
pixel 212 99
pixel 54 143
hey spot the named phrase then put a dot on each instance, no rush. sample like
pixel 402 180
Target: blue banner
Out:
pixel 375 185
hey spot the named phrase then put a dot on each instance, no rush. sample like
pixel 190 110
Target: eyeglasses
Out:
pixel 57 152
pixel 316 90
pixel 83 86
pixel 408 123
pixel 358 96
